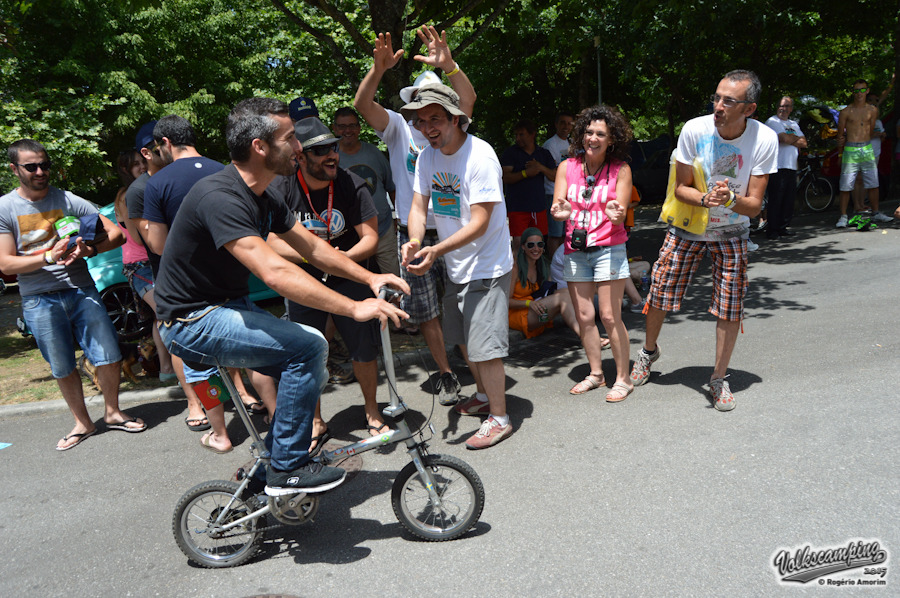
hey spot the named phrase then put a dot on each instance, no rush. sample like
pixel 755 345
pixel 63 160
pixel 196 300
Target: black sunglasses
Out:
pixel 33 166
pixel 589 190
pixel 322 150
pixel 531 244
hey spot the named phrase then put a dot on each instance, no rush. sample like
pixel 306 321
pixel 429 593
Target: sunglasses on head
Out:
pixel 322 150
pixel 531 244
pixel 33 166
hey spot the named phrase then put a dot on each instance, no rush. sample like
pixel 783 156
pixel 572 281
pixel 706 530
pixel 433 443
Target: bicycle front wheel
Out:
pixel 818 193
pixel 460 492
pixel 200 538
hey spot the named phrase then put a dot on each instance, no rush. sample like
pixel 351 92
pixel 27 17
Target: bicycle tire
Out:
pixel 818 193
pixel 195 513
pixel 460 490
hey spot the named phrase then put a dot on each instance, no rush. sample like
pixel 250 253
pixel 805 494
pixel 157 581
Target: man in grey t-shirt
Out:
pixel 59 300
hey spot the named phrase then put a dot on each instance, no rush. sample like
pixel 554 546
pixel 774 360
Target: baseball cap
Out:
pixel 144 135
pixel 435 93
pixel 301 108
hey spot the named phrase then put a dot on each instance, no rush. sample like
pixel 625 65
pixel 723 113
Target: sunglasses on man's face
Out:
pixel 322 150
pixel 860 89
pixel 531 244
pixel 33 166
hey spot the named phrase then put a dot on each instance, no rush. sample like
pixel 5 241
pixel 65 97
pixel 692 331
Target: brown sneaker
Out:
pixel 489 434
pixel 338 375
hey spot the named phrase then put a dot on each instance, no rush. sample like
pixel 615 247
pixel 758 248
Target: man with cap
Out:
pixel 461 176
pixel 404 143
pixel 336 205
pixel 218 239
pixel 301 108
pixel 44 239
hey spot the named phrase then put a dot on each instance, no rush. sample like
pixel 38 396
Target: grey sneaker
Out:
pixel 721 393
pixel 448 389
pixel 640 373
pixel 881 217
pixel 842 222
pixel 309 478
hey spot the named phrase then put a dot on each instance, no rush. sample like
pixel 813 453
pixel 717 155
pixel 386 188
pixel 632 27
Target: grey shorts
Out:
pixel 476 314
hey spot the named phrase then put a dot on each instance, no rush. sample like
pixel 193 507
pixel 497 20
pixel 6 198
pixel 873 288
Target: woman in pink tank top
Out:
pixel 592 194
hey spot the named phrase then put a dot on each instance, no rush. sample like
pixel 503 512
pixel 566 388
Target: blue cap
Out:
pixel 144 135
pixel 301 108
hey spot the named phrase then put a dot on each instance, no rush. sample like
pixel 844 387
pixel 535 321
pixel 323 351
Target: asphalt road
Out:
pixel 658 496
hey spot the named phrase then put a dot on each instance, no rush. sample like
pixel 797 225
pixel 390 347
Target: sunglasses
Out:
pixel 859 90
pixel 322 150
pixel 532 244
pixel 589 190
pixel 33 166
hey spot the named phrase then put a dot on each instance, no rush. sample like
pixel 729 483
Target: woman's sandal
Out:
pixel 619 392
pixel 590 382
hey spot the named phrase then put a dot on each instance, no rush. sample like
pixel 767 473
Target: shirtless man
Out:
pixel 856 126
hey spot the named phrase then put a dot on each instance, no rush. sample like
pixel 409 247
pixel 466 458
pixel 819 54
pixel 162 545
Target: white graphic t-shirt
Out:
pixel 787 154
pixel 404 143
pixel 469 176
pixel 753 153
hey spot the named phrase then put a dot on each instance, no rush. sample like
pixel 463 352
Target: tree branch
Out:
pixel 475 34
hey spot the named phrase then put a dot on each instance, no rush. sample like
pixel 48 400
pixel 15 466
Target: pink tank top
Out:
pixel 590 213
pixel 132 251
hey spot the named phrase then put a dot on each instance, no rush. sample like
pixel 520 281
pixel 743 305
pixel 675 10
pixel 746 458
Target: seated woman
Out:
pixel 526 314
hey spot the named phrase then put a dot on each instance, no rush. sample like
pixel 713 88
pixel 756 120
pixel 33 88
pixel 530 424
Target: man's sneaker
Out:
pixel 448 389
pixel 640 373
pixel 311 477
pixel 751 246
pixel 489 434
pixel 721 393
pixel 842 222
pixel 338 375
pixel 881 217
pixel 637 308
pixel 473 406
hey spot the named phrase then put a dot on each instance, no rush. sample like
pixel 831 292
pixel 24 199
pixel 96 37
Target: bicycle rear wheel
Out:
pixel 461 494
pixel 818 193
pixel 198 536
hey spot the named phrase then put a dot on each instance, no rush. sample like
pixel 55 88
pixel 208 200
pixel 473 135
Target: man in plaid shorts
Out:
pixel 737 155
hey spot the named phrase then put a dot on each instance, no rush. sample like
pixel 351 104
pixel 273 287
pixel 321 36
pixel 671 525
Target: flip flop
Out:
pixel 123 426
pixel 320 441
pixel 204 442
pixel 201 427
pixel 615 393
pixel 377 429
pixel 81 438
pixel 255 406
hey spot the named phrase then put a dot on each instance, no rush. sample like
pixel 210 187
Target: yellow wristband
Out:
pixel 527 302
pixel 416 241
pixel 524 175
pixel 455 69
pixel 48 257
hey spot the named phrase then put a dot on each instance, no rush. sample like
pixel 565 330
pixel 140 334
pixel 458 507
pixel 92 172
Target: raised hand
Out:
pixel 438 51
pixel 385 57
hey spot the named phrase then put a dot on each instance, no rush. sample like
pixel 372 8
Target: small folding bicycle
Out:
pixel 222 523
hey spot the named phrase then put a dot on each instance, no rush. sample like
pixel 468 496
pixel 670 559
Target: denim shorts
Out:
pixel 58 320
pixel 140 277
pixel 601 264
pixel 476 314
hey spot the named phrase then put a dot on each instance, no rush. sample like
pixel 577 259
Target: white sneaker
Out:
pixel 881 217
pixel 751 246
pixel 842 222
pixel 637 308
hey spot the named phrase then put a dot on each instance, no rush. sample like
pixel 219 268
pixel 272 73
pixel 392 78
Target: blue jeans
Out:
pixel 241 335
pixel 60 318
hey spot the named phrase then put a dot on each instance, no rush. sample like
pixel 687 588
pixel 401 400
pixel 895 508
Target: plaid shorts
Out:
pixel 679 259
pixel 424 301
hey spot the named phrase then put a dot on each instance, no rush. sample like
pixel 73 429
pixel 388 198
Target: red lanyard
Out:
pixel 311 207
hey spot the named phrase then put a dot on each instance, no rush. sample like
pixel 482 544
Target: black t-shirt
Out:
pixel 134 201
pixel 352 206
pixel 197 271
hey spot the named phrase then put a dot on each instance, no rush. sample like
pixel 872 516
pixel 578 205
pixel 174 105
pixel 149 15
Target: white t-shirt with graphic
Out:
pixel 559 149
pixel 404 143
pixel 469 176
pixel 755 152
pixel 787 154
